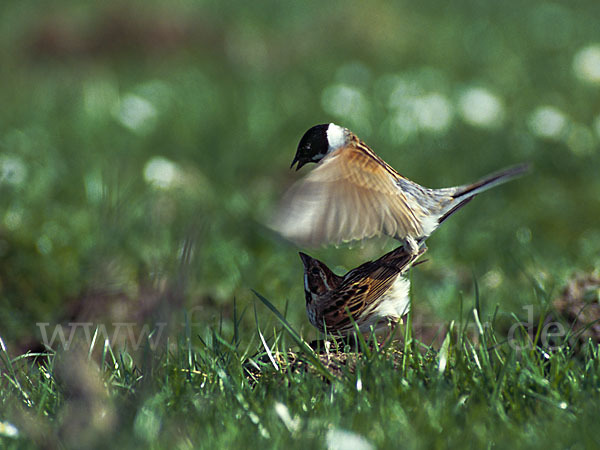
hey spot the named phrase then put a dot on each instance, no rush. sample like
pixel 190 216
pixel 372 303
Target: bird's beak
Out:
pixel 297 160
pixel 294 162
pixel 305 259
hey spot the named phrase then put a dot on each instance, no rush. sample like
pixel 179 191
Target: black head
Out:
pixel 313 146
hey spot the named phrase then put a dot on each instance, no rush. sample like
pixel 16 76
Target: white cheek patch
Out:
pixel 324 278
pixel 335 136
pixel 306 283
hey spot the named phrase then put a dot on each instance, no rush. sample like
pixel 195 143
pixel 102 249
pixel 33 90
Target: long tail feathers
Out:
pixel 490 181
pixel 464 194
pixel 455 208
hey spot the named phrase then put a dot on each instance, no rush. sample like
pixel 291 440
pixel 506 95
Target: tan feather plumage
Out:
pixel 349 196
pixel 353 194
pixel 373 293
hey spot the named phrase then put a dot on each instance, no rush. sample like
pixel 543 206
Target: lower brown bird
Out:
pixel 373 294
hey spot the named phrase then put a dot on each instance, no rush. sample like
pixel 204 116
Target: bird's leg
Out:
pixel 390 334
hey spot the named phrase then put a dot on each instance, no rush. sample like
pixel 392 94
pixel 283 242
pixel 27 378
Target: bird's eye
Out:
pixel 314 271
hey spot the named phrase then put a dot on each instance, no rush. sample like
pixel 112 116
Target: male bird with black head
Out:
pixel 353 194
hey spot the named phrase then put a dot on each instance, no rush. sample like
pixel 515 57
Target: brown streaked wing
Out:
pixel 377 283
pixel 349 196
pixel 361 292
pixel 364 285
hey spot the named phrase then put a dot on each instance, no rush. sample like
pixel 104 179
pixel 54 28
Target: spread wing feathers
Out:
pixel 364 286
pixel 348 196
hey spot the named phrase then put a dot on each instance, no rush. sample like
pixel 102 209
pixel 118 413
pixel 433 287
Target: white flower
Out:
pixel 479 107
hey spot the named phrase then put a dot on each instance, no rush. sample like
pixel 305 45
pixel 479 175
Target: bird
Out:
pixel 353 194
pixel 373 294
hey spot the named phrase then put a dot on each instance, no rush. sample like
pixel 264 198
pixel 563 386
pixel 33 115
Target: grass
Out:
pixel 270 389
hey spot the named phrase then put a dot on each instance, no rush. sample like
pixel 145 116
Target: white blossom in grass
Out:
pixel 338 439
pixel 580 139
pixel 433 112
pixel 136 113
pixel 9 430
pixel 161 172
pixel 348 104
pixel 492 279
pixel 548 122
pixel 586 63
pixel 13 219
pixel 480 107
pixel 12 170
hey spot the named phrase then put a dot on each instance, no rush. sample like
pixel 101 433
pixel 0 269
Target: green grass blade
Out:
pixel 308 352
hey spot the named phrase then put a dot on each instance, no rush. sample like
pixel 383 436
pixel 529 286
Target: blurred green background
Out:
pixel 144 145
